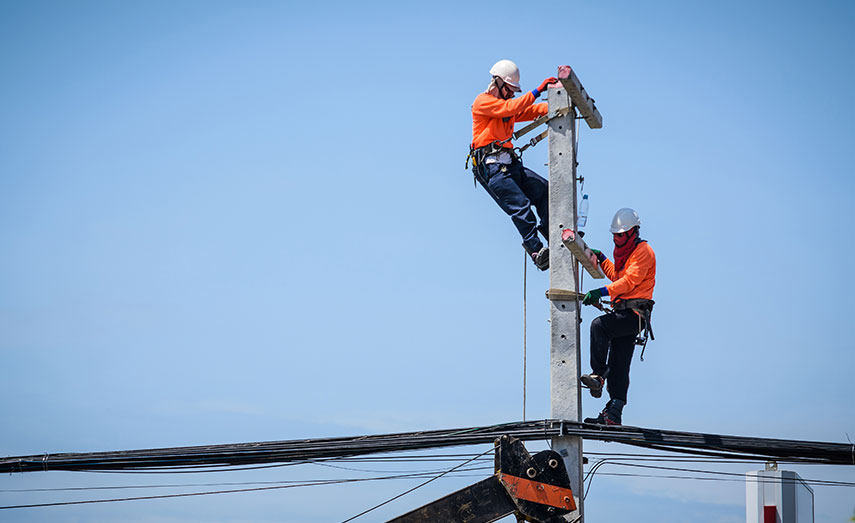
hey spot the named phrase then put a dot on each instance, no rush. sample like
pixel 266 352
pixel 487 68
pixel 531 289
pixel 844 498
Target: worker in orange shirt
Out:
pixel 614 335
pixel 498 168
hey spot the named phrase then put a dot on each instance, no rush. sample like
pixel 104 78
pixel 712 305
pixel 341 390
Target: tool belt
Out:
pixel 635 304
pixel 644 308
pixel 479 155
pixel 495 148
pixel 479 168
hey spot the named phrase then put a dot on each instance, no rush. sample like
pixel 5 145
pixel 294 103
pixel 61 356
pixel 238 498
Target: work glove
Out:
pixel 592 297
pixel 599 254
pixel 545 83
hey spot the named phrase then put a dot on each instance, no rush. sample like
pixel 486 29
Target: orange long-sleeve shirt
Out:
pixel 638 277
pixel 493 118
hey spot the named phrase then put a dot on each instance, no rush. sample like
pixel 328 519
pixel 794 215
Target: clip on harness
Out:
pixel 644 309
pixel 477 155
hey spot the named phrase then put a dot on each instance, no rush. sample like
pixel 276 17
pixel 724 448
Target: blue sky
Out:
pixel 228 222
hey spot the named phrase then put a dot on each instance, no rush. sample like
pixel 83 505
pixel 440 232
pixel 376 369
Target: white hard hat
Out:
pixel 624 220
pixel 509 72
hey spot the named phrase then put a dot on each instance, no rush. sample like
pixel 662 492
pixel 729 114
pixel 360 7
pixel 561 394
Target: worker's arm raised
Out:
pixel 490 106
pixel 532 112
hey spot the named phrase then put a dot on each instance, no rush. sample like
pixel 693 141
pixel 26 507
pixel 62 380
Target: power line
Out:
pixel 398 475
pixel 742 480
pixel 278 486
pixel 393 498
pixel 742 476
pixel 461 470
pixel 200 457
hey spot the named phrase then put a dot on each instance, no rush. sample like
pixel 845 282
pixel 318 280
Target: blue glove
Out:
pixel 599 254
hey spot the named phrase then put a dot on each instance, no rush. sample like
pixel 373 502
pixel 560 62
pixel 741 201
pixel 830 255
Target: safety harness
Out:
pixel 480 154
pixel 477 155
pixel 644 309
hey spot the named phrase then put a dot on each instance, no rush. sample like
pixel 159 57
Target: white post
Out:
pixel 777 496
pixel 563 275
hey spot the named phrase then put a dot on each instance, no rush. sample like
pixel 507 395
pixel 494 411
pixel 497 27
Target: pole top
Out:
pixel 586 105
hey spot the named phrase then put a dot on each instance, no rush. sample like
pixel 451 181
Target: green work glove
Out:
pixel 592 297
pixel 599 254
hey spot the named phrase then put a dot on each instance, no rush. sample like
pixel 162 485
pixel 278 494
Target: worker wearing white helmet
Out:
pixel 615 334
pixel 498 168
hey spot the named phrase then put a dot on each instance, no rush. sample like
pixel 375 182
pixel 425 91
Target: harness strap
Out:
pixel 546 118
pixel 479 176
pixel 534 141
pixel 644 308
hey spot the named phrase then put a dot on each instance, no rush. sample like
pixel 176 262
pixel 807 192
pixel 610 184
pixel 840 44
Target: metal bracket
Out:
pixel 583 102
pixel 534 488
pixel 539 121
pixel 564 295
pixel 576 245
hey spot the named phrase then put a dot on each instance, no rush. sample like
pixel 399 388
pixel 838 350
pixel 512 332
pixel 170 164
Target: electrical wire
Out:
pixel 353 469
pixel 731 477
pixel 463 472
pixel 731 480
pixel 525 327
pixel 276 486
pixel 741 476
pixel 303 451
pixel 186 494
pixel 215 468
pixel 593 470
pixel 414 488
pixel 634 460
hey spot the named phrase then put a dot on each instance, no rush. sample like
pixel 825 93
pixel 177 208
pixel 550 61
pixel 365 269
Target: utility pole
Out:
pixel 565 360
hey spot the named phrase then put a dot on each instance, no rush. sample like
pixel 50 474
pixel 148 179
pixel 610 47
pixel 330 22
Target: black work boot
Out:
pixel 611 414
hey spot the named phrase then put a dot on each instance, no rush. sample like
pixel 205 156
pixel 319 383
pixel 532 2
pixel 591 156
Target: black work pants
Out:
pixel 612 344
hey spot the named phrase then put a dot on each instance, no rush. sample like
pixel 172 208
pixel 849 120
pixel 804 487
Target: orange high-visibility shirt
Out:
pixel 638 277
pixel 493 118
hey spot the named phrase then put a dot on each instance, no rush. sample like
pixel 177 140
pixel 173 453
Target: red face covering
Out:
pixel 625 243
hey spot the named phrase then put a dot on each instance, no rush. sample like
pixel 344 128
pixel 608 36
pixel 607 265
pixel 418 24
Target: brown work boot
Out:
pixel 595 383
pixel 541 258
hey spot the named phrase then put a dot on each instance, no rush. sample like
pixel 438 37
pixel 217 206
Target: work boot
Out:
pixel 595 383
pixel 611 414
pixel 541 258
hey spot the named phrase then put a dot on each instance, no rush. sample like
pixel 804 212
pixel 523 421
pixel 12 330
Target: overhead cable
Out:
pixel 170 459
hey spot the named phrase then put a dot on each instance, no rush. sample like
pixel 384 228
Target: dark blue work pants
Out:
pixel 516 189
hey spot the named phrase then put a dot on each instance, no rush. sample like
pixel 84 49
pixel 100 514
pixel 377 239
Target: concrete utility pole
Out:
pixel 564 269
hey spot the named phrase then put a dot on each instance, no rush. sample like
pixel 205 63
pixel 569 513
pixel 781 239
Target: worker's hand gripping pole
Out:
pixel 576 245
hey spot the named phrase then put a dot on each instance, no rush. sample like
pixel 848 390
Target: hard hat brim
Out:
pixel 617 230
